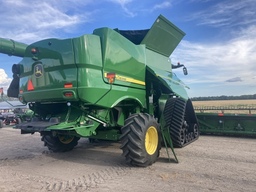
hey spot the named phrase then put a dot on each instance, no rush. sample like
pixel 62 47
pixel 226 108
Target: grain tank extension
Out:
pixel 111 85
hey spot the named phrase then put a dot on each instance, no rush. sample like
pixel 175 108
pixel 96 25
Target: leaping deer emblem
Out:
pixel 38 70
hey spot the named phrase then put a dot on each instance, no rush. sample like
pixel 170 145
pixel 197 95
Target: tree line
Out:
pixel 4 97
pixel 224 97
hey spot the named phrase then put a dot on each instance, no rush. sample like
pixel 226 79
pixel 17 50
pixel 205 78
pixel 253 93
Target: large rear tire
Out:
pixel 1 124
pixel 140 140
pixel 60 143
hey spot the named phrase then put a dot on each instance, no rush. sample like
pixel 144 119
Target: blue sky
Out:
pixel 218 49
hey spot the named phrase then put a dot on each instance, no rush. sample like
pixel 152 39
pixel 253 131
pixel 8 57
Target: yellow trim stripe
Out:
pixel 127 79
pixel 131 80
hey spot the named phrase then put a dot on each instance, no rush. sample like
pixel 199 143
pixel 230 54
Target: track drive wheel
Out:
pixel 140 140
pixel 196 131
pixel 60 143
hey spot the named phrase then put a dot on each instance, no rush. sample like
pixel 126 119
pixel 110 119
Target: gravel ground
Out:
pixel 209 164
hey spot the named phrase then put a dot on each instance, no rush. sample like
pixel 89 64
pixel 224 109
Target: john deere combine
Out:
pixel 111 85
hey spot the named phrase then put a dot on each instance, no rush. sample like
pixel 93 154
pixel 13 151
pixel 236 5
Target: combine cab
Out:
pixel 111 85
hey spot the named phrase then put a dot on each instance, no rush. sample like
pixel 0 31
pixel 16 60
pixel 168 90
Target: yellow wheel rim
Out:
pixel 65 139
pixel 151 140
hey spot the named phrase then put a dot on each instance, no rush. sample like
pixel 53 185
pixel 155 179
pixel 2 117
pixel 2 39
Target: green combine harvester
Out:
pixel 112 85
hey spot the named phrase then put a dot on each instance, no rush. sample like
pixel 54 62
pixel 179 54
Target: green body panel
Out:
pixel 163 37
pixel 122 57
pixel 88 59
pixel 171 83
pixel 111 134
pixel 227 124
pixel 48 70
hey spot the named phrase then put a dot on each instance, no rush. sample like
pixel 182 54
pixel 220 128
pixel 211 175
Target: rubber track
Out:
pixel 174 113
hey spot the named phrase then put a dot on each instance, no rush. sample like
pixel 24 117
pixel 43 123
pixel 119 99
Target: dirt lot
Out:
pixel 209 164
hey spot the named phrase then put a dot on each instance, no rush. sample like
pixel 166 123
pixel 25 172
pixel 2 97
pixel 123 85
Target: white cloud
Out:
pixel 4 80
pixel 162 5
pixel 133 8
pixel 214 64
pixel 227 13
pixel 28 20
pixel 124 4
pixel 121 2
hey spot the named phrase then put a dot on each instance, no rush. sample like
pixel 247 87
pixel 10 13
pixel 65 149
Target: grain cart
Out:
pixel 112 84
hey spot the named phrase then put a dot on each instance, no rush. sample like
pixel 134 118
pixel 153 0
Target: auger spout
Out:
pixel 12 48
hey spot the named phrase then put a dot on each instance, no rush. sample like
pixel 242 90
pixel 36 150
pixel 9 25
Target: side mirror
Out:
pixel 185 71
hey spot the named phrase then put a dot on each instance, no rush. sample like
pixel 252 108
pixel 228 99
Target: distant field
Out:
pixel 224 104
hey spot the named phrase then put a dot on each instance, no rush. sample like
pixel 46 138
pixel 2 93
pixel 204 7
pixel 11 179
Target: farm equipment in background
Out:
pixel 7 118
pixel 12 113
pixel 112 84
pixel 227 120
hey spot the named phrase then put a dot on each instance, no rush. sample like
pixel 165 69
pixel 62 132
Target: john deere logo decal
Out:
pixel 38 70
